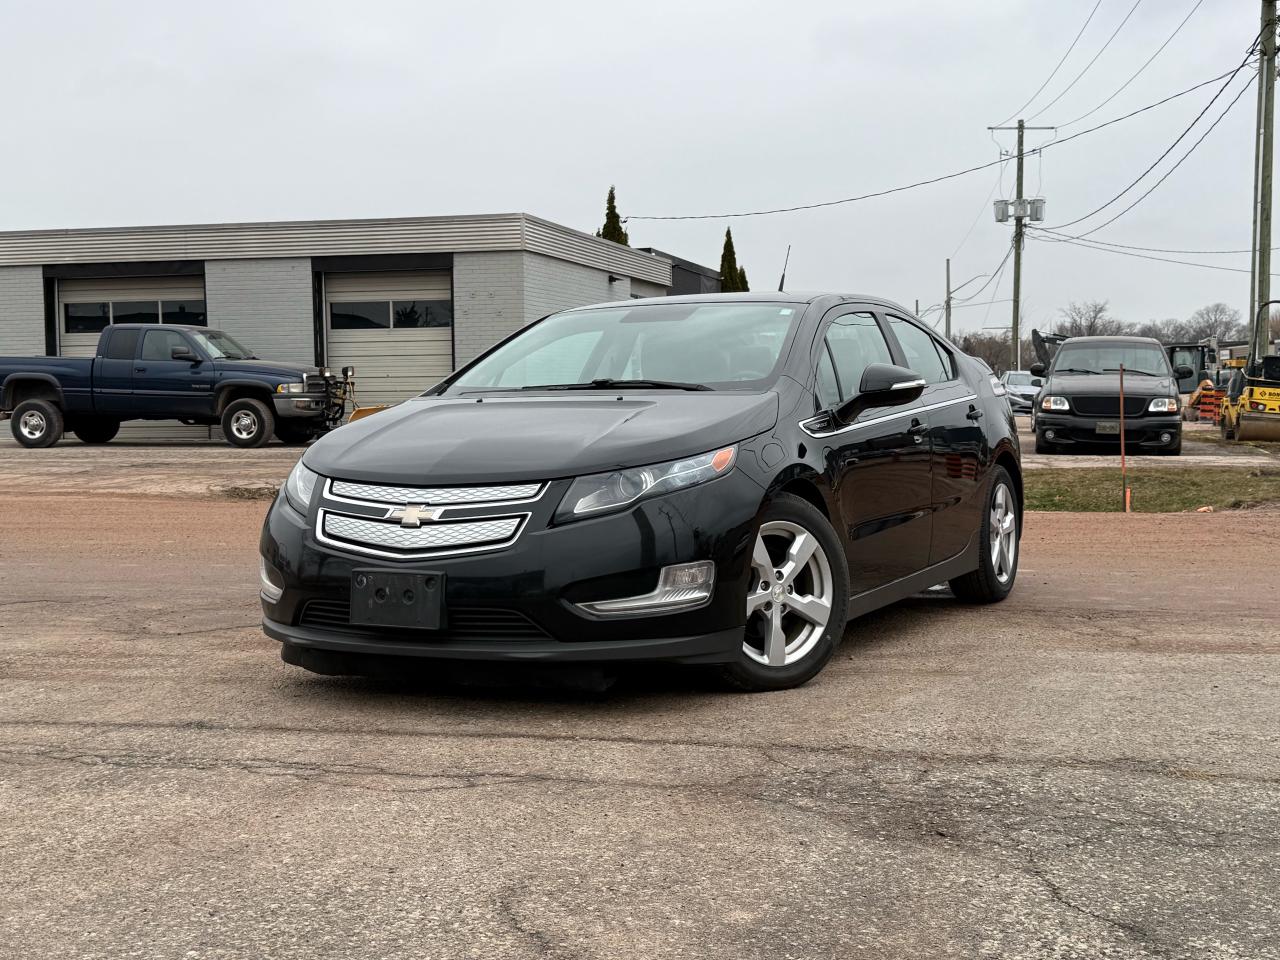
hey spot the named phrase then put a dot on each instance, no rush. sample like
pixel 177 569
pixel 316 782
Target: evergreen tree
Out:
pixel 743 286
pixel 730 277
pixel 612 229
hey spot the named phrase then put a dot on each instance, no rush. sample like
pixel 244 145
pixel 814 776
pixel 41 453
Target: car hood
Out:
pixel 268 368
pixel 1108 384
pixel 1022 391
pixel 438 441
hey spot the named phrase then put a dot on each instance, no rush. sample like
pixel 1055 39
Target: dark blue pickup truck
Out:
pixel 169 372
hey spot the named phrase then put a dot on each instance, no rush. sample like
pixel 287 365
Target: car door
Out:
pixel 113 373
pixel 164 387
pixel 957 440
pixel 878 466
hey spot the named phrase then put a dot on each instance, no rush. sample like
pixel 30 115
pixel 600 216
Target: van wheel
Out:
pixel 796 600
pixel 37 423
pixel 247 423
pixel 95 431
pixel 999 540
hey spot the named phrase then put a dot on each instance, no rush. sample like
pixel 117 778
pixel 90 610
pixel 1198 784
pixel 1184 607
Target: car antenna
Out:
pixel 784 268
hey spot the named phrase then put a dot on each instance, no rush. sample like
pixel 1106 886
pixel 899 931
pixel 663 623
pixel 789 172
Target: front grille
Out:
pixel 390 535
pixel 463 623
pixel 1108 406
pixel 435 496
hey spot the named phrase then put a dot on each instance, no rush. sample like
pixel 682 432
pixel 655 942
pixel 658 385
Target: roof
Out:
pixel 308 238
pixel 777 296
pixel 1113 340
pixel 681 261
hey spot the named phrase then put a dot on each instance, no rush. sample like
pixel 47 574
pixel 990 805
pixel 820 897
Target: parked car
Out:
pixel 1022 388
pixel 170 372
pixel 1080 400
pixel 718 479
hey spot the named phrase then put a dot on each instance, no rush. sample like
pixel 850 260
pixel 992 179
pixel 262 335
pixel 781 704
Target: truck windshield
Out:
pixel 688 345
pixel 1137 358
pixel 219 346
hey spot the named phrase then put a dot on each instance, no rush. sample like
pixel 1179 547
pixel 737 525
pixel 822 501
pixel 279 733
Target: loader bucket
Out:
pixel 359 413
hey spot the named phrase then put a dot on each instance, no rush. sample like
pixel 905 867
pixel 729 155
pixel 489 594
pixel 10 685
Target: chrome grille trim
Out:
pixel 345 490
pixel 432 536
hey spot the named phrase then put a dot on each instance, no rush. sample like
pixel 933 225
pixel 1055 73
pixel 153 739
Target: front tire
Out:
pixel 797 598
pixel 37 423
pixel 247 423
pixel 999 540
pixel 95 431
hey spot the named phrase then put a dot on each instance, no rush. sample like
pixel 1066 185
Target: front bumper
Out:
pixel 1143 431
pixel 291 405
pixel 536 584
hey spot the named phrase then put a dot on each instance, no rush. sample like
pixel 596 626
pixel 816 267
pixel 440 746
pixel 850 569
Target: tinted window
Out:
pixel 825 388
pixel 922 351
pixel 86 317
pixel 422 313
pixel 123 345
pixel 190 312
pixel 159 344
pixel 856 342
pixel 363 315
pixel 135 311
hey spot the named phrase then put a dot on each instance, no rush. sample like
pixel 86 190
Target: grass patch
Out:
pixel 1155 490
pixel 248 493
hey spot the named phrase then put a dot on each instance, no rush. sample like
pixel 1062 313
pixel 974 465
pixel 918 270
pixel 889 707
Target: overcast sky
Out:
pixel 164 112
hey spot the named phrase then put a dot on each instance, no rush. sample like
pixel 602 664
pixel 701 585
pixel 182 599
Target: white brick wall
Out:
pixel 265 304
pixel 21 311
pixel 488 301
pixel 551 285
pixel 643 288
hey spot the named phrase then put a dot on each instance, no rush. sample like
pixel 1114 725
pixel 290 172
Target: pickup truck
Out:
pixel 169 372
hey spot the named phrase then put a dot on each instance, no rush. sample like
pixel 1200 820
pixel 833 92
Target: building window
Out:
pixel 86 317
pixel 189 312
pixel 365 315
pixel 135 311
pixel 422 313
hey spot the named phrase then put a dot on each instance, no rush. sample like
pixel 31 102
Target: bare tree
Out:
pixel 1089 319
pixel 1215 320
pixel 1170 330
pixel 993 348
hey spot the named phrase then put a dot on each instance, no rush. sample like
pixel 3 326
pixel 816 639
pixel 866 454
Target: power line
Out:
pixel 1090 63
pixel 1127 246
pixel 1055 70
pixel 1123 86
pixel 994 277
pixel 1088 245
pixel 1168 150
pixel 981 210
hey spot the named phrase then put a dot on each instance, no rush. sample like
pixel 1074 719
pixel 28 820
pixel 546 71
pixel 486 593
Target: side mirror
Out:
pixel 1038 369
pixel 184 353
pixel 883 385
pixel 1037 382
pixel 1183 371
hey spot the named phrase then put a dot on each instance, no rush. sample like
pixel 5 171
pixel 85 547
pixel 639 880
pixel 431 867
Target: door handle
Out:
pixel 139 369
pixel 974 413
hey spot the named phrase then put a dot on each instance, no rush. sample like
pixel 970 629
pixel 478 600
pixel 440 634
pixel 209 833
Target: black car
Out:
pixel 716 479
pixel 1080 400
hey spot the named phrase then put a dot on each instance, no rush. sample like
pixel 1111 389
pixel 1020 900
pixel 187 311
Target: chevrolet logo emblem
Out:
pixel 415 515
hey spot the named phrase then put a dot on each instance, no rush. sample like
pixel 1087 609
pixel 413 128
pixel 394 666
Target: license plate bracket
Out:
pixel 1108 426
pixel 390 598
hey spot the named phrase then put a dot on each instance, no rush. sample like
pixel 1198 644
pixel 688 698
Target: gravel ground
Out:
pixel 1091 769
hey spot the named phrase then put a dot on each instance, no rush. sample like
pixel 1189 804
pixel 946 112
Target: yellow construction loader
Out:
pixel 1251 408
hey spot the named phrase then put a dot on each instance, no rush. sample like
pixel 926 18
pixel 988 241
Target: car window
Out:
pixel 826 389
pixel 924 354
pixel 122 345
pixel 159 344
pixel 856 342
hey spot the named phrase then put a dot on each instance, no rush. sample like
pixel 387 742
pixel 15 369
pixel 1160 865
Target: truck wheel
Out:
pixel 247 423
pixel 37 423
pixel 95 431
pixel 293 436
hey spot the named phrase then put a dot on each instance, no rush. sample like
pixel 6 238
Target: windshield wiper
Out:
pixel 1140 373
pixel 607 383
pixel 1074 370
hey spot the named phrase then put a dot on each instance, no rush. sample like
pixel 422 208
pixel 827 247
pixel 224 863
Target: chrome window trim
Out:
pixel 347 546
pixel 823 434
pixel 329 494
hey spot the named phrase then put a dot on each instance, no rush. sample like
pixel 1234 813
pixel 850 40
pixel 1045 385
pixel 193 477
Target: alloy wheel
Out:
pixel 244 425
pixel 33 425
pixel 1004 534
pixel 789 599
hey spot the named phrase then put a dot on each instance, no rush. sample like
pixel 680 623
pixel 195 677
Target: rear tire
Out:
pixel 797 598
pixel 247 423
pixel 998 568
pixel 95 431
pixel 37 423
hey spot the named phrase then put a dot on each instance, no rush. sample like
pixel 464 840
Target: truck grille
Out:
pixel 1108 406
pixel 464 623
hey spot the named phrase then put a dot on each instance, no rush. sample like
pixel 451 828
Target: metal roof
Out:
pixel 306 238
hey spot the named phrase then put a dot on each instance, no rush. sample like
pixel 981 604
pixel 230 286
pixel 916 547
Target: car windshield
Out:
pixel 683 345
pixel 1137 358
pixel 219 346
pixel 1018 379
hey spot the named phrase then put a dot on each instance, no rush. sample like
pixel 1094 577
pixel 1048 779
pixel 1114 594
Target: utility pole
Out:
pixel 1260 330
pixel 1023 208
pixel 946 304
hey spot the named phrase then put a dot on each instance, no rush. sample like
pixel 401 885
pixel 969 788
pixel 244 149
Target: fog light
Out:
pixel 1166 437
pixel 1048 434
pixel 270 592
pixel 683 586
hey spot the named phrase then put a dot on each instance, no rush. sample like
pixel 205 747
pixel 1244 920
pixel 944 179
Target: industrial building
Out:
pixel 403 300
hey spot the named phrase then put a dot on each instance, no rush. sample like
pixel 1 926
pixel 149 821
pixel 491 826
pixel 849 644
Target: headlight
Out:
pixel 613 491
pixel 1163 405
pixel 326 372
pixel 299 487
pixel 1054 403
pixel 291 388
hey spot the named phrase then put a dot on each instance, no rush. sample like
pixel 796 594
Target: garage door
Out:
pixel 395 328
pixel 87 307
